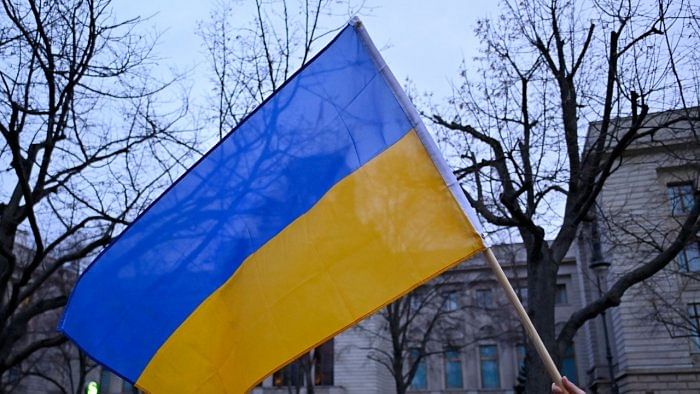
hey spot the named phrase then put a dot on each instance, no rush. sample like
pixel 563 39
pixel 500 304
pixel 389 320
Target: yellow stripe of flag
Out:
pixel 375 235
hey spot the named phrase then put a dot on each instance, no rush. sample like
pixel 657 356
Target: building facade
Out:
pixel 653 335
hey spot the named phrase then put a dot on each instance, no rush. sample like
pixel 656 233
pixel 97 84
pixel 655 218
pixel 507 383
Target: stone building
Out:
pixel 651 342
pixel 653 334
pixel 54 369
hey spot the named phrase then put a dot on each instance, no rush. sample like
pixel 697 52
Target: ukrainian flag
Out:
pixel 324 205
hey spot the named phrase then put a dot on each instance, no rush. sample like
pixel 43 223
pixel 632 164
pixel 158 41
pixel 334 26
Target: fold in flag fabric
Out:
pixel 325 204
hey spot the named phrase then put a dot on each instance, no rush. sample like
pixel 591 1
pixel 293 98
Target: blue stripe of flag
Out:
pixel 316 130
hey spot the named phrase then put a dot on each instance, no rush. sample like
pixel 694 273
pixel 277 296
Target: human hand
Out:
pixel 570 387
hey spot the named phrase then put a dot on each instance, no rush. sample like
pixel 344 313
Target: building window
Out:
pixel 416 298
pixel 128 388
pixel 522 294
pixel 694 317
pixel 520 356
pixel 488 362
pixel 453 369
pixel 561 297
pixel 484 298
pixel 293 374
pixel 568 364
pixel 14 374
pixel 324 364
pixel 105 380
pixel 688 259
pixel 420 379
pixel 681 197
pixel 451 301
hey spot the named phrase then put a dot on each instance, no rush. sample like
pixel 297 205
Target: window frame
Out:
pixel 478 300
pixel 565 300
pixel 324 364
pixel 457 357
pixel 105 380
pixel 422 365
pixel 417 299
pixel 570 354
pixel 519 356
pixel 684 262
pixel 694 319
pixel 522 294
pixel 675 196
pixel 481 360
pixel 451 301
pixel 127 387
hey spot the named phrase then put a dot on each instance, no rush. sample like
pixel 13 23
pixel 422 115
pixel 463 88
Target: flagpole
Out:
pixel 524 318
pixel 456 190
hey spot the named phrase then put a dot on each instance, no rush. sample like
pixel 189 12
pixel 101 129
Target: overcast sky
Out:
pixel 423 40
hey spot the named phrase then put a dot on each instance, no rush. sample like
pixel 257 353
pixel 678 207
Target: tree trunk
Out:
pixel 82 371
pixel 397 364
pixel 400 388
pixel 542 276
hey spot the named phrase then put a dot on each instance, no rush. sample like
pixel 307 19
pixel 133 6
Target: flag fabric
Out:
pixel 325 204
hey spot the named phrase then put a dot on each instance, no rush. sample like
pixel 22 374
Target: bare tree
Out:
pixel 64 367
pixel 250 59
pixel 83 150
pixel 432 320
pixel 671 309
pixel 519 124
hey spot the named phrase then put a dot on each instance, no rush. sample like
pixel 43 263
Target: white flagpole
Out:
pixel 524 318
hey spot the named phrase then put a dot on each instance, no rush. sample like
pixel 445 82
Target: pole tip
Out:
pixel 355 21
